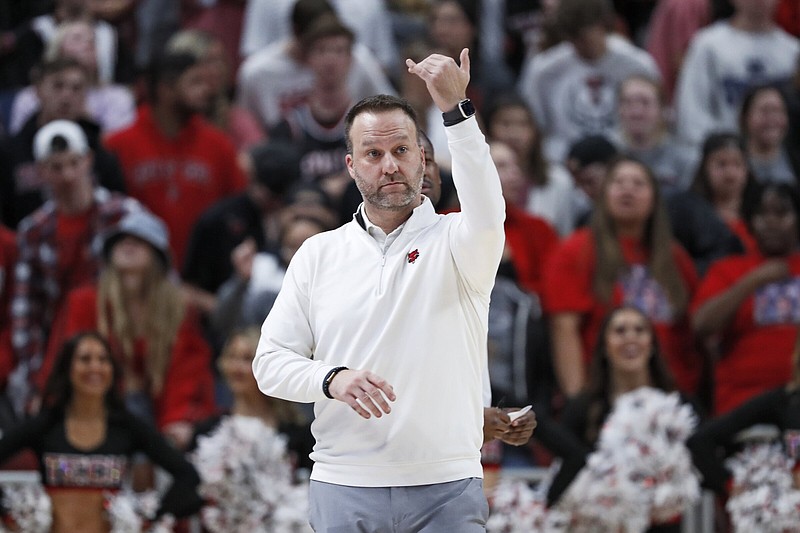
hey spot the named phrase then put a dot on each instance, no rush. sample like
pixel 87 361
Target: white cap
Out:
pixel 71 133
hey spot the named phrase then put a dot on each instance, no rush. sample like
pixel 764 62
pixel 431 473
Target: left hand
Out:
pixel 446 81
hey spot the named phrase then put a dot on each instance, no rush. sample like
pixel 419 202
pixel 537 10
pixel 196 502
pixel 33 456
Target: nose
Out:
pixel 389 164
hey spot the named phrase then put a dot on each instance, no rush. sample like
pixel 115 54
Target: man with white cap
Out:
pixel 57 249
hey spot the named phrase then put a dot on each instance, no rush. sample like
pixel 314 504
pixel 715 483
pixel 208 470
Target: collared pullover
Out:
pixel 415 315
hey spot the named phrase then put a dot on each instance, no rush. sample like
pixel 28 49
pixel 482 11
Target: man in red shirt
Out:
pixel 175 162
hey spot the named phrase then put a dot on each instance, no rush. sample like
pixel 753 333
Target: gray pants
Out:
pixel 457 506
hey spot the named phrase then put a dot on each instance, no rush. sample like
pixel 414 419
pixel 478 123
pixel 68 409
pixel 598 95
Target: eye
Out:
pixel 402 150
pixel 373 153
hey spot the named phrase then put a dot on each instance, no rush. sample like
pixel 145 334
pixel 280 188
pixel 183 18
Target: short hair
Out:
pixel 573 16
pixel 379 103
pixel 54 66
pixel 167 68
pixel 325 26
pixel 305 12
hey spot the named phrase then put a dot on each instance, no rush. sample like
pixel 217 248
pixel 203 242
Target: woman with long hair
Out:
pixel 626 358
pixel 549 188
pixel 84 439
pixel 166 361
pixel 749 305
pixel 626 256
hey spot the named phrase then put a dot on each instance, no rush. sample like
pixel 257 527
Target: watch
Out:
pixel 462 112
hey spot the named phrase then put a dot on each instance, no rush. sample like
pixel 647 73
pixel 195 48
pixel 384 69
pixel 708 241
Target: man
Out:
pixel 61 86
pixel 175 162
pixel 395 300
pixel 572 87
pixel 57 243
pixel 274 80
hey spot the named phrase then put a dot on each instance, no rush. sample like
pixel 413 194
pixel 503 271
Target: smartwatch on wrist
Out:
pixel 462 112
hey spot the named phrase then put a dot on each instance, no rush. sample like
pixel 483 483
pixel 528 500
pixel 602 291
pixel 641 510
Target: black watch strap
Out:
pixel 462 112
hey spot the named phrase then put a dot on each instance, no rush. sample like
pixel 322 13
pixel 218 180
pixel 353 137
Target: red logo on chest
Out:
pixel 412 256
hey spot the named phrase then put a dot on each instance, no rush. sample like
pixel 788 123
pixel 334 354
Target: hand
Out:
pixel 446 81
pixel 243 257
pixel 363 391
pixel 520 430
pixel 495 423
pixel 772 270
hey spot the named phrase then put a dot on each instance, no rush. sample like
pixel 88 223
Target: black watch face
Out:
pixel 467 108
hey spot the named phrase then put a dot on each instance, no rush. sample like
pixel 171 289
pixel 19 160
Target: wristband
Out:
pixel 460 113
pixel 326 383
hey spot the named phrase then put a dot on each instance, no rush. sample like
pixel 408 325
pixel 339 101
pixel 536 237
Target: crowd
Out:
pixel 161 162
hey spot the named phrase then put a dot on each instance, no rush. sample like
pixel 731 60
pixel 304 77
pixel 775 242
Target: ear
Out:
pixel 348 161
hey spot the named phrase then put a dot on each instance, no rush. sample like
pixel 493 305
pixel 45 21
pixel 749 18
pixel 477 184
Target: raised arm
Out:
pixel 478 238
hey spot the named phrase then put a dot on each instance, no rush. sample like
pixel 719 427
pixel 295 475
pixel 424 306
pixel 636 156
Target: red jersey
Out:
pixel 756 347
pixel 567 288
pixel 177 178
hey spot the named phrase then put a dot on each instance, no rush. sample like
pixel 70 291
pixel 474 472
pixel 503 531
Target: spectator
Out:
pixel 549 189
pixel 166 362
pixel 707 218
pixel 173 160
pixel 529 239
pixel 749 304
pixel 626 256
pixel 252 214
pixel 114 62
pixel 57 243
pixel 572 88
pixel 246 298
pixel 764 123
pixel 84 440
pixel 317 126
pixel 240 125
pixel 270 21
pixel 587 161
pixel 724 61
pixel 110 105
pixel 643 134
pixel 60 86
pixel 274 80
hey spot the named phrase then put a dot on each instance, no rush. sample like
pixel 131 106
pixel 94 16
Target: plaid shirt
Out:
pixel 37 291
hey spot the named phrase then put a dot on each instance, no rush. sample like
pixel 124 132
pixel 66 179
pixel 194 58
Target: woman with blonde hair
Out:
pixel 166 362
pixel 626 256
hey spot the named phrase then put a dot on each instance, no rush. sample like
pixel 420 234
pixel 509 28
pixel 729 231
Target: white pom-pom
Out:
pixel 29 507
pixel 764 498
pixel 246 472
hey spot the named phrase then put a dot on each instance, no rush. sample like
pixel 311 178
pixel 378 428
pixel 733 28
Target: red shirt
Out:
pixel 567 288
pixel 530 240
pixel 178 178
pixel 188 391
pixel 756 347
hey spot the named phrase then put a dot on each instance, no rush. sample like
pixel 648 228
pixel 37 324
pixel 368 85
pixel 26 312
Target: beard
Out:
pixel 374 194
